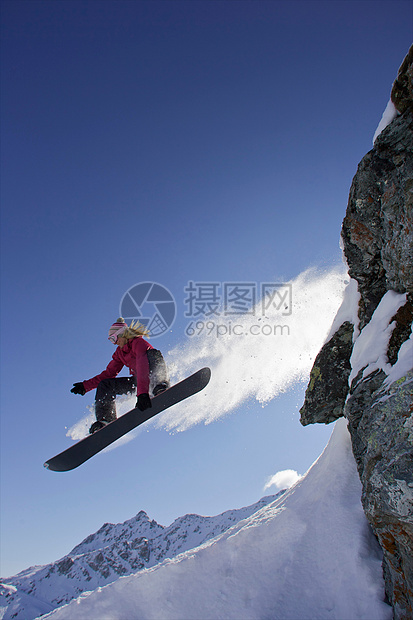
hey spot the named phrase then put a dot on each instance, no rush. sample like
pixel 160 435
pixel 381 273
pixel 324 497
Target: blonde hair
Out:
pixel 134 330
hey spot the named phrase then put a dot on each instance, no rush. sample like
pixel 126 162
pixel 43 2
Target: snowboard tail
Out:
pixel 84 449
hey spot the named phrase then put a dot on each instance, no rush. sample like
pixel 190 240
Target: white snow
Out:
pixel 308 555
pixel 389 115
pixel 258 365
pixel 370 348
pixel 404 362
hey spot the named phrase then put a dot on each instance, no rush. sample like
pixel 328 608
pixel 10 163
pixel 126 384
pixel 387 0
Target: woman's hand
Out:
pixel 78 388
pixel 143 402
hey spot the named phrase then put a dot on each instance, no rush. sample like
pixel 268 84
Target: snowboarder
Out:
pixel 145 363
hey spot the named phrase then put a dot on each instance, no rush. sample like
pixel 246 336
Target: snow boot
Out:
pixel 96 426
pixel 161 387
pixel 158 372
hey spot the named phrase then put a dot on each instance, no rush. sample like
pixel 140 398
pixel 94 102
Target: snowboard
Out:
pixel 84 449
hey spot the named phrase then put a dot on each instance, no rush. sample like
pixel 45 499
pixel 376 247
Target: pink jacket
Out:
pixel 133 355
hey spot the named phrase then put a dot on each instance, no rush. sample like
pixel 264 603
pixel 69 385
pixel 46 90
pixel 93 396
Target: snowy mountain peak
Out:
pixel 113 551
pixel 139 526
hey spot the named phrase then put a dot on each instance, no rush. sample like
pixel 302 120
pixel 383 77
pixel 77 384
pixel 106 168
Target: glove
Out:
pixel 78 388
pixel 143 402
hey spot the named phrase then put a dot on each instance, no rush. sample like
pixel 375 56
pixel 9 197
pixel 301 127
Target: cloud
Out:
pixel 282 479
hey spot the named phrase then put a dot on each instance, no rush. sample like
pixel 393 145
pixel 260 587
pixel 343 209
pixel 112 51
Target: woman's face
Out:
pixel 121 341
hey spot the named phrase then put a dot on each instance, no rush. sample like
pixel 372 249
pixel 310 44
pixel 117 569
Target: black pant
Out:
pixel 108 389
pixel 106 392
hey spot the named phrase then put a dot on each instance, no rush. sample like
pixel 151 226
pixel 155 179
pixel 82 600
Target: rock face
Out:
pixel 377 239
pixel 327 391
pixel 402 91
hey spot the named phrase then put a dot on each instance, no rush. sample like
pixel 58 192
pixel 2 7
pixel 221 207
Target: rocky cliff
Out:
pixel 364 371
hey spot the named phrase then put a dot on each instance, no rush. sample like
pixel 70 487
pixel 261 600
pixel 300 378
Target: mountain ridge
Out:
pixel 114 550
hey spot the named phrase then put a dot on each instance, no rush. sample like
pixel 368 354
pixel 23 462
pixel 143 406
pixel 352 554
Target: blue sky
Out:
pixel 168 142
